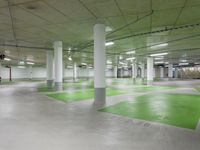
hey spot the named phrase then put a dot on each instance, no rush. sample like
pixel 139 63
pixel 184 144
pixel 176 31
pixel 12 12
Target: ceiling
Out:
pixel 29 27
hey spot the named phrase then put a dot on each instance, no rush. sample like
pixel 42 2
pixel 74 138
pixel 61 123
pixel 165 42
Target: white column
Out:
pixel 170 70
pixel 63 72
pixel 58 64
pixel 150 70
pixel 161 72
pixel 49 67
pixel 115 71
pixel 99 64
pixel 30 72
pixel 75 72
pixel 134 70
pixel 142 70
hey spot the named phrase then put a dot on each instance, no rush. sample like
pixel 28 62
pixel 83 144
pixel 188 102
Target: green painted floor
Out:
pixel 146 88
pixel 179 110
pixel 82 95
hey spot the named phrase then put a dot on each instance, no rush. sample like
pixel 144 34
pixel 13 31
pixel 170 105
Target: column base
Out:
pixel 99 96
pixel 58 86
pixel 149 82
pixel 50 83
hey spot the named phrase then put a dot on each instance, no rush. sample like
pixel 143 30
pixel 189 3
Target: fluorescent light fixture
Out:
pixel 183 60
pixel 109 43
pixel 7 59
pixel 197 63
pixel 132 58
pixel 183 64
pixel 159 62
pixel 122 63
pixel 109 62
pixel 159 54
pixel 120 57
pixel 159 45
pixel 90 67
pixel 130 52
pixel 69 48
pixel 21 63
pixel 70 58
pixel 21 67
pixel 158 58
pixel 108 29
pixel 84 64
pixel 30 63
pixel 166 63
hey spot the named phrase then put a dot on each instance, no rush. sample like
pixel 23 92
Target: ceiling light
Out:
pixel 166 63
pixel 90 67
pixel 122 63
pixel 159 62
pixel 30 63
pixel 130 52
pixel 159 54
pixel 21 63
pixel 69 48
pixel 108 29
pixel 109 62
pixel 120 57
pixel 21 67
pixel 197 63
pixel 183 64
pixel 183 60
pixel 84 64
pixel 159 45
pixel 132 58
pixel 158 58
pixel 70 58
pixel 109 43
pixel 7 59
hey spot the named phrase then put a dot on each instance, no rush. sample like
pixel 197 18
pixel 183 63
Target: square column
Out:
pixel 49 68
pixel 134 71
pixel 115 72
pixel 75 72
pixel 150 70
pixel 170 71
pixel 58 65
pixel 99 64
pixel 161 72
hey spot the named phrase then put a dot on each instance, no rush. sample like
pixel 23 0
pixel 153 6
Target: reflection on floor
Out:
pixel 159 117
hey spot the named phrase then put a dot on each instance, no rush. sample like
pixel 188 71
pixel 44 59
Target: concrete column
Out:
pixel 30 72
pixel 161 72
pixel 150 70
pixel 49 68
pixel 99 64
pixel 134 71
pixel 142 70
pixel 75 72
pixel 58 64
pixel 63 72
pixel 170 71
pixel 115 72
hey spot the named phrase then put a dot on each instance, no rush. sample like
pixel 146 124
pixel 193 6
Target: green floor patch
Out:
pixel 173 109
pixel 146 88
pixel 82 95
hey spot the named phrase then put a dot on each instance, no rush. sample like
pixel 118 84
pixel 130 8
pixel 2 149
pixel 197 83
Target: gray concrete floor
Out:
pixel 32 121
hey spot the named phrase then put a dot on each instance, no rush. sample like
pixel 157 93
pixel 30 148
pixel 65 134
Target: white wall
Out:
pixel 40 73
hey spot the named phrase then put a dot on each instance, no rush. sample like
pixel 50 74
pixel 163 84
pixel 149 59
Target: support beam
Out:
pixel 99 64
pixel 150 70
pixel 115 72
pixel 58 65
pixel 49 68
